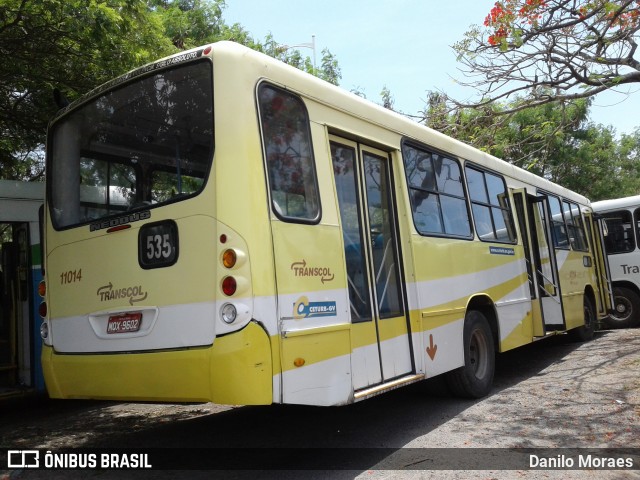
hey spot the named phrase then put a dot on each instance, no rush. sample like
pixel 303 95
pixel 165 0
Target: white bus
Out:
pixel 622 216
pixel 20 274
pixel 223 227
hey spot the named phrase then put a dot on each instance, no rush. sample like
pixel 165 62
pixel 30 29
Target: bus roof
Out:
pixel 617 203
pixel 18 190
pixel 313 88
pixel 336 97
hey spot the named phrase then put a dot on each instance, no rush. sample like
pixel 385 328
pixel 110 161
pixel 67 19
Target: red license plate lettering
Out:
pixel 129 322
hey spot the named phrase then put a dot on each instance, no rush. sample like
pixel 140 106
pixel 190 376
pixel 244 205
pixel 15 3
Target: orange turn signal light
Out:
pixel 229 258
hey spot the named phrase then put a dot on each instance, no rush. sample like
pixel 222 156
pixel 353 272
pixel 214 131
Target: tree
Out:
pixel 387 98
pixel 551 50
pixel 72 45
pixel 554 141
pixel 190 23
pixel 328 71
pixel 75 45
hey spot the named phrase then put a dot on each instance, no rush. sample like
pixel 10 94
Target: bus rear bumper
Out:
pixel 235 370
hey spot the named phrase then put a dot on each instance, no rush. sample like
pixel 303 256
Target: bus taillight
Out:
pixel 229 286
pixel 42 309
pixel 42 291
pixel 229 258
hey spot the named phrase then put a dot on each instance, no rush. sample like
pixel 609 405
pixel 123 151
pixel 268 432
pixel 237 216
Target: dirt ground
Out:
pixel 551 394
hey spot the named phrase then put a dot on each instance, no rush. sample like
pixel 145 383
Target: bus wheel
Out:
pixel 626 311
pixel 585 332
pixel 475 378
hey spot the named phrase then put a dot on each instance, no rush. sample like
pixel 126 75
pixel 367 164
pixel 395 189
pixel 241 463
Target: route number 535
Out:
pixel 158 244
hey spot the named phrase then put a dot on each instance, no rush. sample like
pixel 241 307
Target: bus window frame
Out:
pixel 313 164
pixel 634 231
pixel 573 227
pixel 510 225
pixel 136 76
pixel 407 142
pixel 552 222
pixel 635 218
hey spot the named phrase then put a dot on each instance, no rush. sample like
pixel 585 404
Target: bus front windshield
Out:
pixel 143 144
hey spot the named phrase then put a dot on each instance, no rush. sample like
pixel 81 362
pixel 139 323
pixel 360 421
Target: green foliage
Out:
pixel 76 45
pixel 190 23
pixel 72 45
pixel 554 140
pixel 387 98
pixel 329 69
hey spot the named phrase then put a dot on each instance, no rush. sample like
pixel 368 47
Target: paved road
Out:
pixel 549 395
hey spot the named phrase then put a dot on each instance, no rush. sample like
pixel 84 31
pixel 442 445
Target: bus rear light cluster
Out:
pixel 229 286
pixel 44 330
pixel 42 291
pixel 42 310
pixel 42 288
pixel 229 258
pixel 229 313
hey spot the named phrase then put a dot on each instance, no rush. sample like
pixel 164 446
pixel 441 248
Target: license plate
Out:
pixel 129 322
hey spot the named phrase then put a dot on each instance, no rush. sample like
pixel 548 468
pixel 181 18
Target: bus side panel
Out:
pixel 311 299
pixel 451 274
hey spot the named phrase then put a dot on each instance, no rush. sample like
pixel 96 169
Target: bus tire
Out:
pixel 585 332
pixel 475 378
pixel 626 312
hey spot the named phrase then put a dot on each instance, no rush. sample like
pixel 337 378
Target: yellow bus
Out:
pixel 223 227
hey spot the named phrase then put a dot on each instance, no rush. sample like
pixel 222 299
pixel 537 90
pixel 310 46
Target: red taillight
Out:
pixel 42 309
pixel 229 286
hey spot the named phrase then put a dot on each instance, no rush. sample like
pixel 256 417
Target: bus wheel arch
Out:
pixel 475 378
pixel 485 305
pixel 626 311
pixel 586 331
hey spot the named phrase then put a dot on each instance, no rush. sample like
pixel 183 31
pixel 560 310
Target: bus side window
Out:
pixel 288 154
pixel 575 226
pixel 636 216
pixel 620 238
pixel 490 205
pixel 558 226
pixel 437 196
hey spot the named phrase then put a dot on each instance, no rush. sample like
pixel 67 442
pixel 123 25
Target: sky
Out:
pixel 404 45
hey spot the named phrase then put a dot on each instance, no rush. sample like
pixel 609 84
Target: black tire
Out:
pixel 626 311
pixel 585 332
pixel 475 378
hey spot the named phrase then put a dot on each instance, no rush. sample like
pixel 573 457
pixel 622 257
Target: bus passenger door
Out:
pixel 15 332
pixel 546 264
pixel 533 215
pixel 596 231
pixel 380 344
